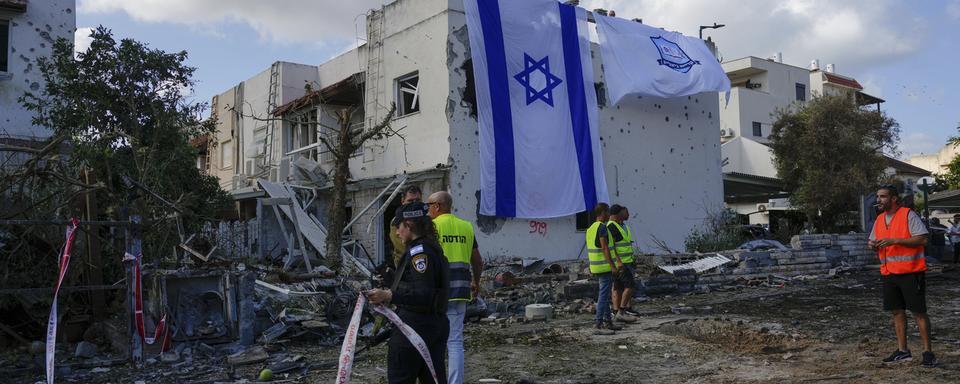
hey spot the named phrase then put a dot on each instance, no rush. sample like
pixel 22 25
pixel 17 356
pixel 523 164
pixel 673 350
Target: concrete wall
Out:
pixel 32 35
pixel 413 41
pixel 661 158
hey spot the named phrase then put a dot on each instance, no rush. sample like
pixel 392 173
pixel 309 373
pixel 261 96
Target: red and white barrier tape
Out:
pixel 345 369
pixel 138 309
pixel 52 322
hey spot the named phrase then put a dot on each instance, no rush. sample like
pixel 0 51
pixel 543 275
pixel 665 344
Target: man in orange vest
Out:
pixel 899 237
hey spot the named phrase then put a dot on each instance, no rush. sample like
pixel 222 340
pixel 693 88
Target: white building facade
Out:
pixel 661 156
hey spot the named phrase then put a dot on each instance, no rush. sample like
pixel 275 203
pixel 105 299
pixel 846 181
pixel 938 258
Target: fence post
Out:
pixel 134 247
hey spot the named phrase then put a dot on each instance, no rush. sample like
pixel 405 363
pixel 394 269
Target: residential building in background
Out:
pixel 935 162
pixel 760 88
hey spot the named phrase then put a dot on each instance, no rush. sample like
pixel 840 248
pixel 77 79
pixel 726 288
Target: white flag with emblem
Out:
pixel 539 143
pixel 642 60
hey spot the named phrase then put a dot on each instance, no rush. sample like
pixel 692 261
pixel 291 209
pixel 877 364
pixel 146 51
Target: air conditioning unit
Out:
pixel 761 207
pixel 726 132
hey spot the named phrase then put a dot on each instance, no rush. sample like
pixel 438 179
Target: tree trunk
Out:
pixel 337 212
pixel 337 209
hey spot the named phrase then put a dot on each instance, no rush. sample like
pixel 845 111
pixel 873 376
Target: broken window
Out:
pixel 4 45
pixel 226 154
pixel 408 94
pixel 584 220
pixel 302 134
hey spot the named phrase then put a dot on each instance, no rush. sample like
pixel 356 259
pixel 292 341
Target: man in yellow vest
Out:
pixel 411 194
pixel 623 282
pixel 460 247
pixel 602 266
pixel 899 236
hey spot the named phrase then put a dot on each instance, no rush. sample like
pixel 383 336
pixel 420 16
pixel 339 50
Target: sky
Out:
pixel 902 51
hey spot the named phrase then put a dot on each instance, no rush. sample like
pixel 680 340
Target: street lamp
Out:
pixel 714 26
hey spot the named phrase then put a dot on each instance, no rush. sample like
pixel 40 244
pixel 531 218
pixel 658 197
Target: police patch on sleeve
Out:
pixel 420 263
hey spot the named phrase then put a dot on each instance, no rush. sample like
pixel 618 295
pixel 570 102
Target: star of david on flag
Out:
pixel 542 66
pixel 537 109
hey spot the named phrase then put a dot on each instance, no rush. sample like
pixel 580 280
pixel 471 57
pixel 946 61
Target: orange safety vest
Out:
pixel 898 259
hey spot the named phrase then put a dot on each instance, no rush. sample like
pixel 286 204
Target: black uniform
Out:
pixel 421 300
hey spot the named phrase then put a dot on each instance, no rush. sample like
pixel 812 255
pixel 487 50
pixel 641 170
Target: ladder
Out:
pixel 274 91
pixel 374 59
pixel 211 137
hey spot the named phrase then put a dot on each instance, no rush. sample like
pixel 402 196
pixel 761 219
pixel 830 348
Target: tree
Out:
pixel 341 141
pixel 829 152
pixel 120 106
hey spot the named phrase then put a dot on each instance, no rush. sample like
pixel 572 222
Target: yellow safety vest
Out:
pixel 598 264
pixel 456 239
pixel 624 247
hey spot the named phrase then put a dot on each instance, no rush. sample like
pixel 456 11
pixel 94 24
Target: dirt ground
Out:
pixel 825 330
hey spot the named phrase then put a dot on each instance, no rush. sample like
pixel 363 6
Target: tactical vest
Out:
pixel 456 239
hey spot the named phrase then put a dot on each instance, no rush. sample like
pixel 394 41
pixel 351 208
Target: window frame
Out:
pixel 226 149
pixel 757 129
pixel 801 91
pixel 399 94
pixel 5 45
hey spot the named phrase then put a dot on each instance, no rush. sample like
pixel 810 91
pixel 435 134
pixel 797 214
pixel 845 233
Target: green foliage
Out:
pixel 122 108
pixel 829 152
pixel 719 231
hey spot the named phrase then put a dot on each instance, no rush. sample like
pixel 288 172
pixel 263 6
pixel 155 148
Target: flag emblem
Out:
pixel 672 56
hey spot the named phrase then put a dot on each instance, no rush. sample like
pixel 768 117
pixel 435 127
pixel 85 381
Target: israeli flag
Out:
pixel 642 60
pixel 539 144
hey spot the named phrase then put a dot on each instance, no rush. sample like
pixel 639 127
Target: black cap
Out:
pixel 410 211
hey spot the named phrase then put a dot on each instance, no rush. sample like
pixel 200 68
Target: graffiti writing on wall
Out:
pixel 538 227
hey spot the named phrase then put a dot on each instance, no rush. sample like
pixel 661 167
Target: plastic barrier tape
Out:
pixel 345 370
pixel 52 322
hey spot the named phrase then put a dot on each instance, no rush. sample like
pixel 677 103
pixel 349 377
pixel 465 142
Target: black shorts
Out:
pixel 907 291
pixel 624 279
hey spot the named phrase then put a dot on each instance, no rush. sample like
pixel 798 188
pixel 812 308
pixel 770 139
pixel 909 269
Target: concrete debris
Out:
pixel 700 266
pixel 86 350
pixel 539 312
pixel 252 355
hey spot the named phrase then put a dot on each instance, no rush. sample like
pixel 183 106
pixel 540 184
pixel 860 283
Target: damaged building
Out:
pixel 661 156
pixel 28 30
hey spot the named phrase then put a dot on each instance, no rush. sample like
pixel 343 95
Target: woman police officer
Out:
pixel 420 294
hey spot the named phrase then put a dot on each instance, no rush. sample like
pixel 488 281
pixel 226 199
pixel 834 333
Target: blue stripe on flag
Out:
pixel 500 102
pixel 578 102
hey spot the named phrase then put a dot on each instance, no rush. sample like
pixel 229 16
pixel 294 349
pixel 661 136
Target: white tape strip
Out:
pixel 345 369
pixel 349 343
pixel 52 322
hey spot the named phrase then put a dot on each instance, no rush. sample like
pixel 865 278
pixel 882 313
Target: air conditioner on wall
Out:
pixel 726 132
pixel 761 208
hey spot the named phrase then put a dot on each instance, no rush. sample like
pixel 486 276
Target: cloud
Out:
pixel 953 9
pixel 288 21
pixel 854 34
pixel 82 39
pixel 916 143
